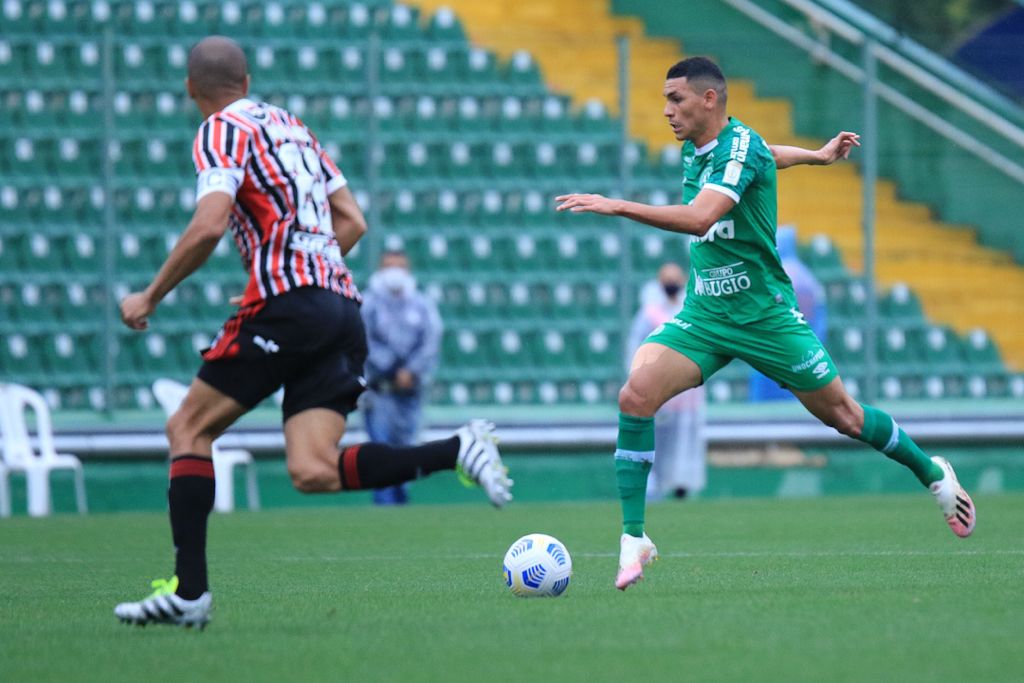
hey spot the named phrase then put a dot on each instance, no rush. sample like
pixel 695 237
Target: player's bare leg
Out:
pixel 834 406
pixel 657 373
pixel 316 465
pixel 185 600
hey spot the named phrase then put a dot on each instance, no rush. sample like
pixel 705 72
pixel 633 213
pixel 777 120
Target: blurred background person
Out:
pixel 680 461
pixel 403 332
pixel 810 296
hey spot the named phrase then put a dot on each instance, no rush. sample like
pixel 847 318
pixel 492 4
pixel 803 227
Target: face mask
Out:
pixel 671 289
pixel 395 280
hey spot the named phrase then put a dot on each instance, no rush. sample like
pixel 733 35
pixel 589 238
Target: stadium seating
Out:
pixel 473 147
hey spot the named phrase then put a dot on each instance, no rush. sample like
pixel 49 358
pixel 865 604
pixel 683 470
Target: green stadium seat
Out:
pixel 138 64
pixel 21 358
pixel 357 22
pixel 18 19
pixel 594 121
pixel 14 60
pixel 981 353
pixel 555 117
pixel 823 258
pixel 941 349
pixel 399 22
pixel 444 26
pixel 439 64
pixel 69 360
pixel 48 63
pixel 521 73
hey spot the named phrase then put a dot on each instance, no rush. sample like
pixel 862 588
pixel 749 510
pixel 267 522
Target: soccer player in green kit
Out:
pixel 739 304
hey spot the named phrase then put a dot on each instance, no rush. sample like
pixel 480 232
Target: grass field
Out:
pixel 834 589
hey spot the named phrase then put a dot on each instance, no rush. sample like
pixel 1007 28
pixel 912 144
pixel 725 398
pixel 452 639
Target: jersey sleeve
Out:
pixel 333 177
pixel 220 154
pixel 736 164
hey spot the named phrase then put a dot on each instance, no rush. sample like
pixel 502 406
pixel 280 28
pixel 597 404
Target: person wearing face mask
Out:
pixel 403 332
pixel 680 463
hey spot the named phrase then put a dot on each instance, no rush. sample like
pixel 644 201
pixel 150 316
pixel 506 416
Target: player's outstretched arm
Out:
pixel 208 224
pixel 695 218
pixel 347 219
pixel 835 149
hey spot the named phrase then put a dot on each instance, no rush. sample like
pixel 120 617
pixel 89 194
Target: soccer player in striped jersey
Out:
pixel 264 174
pixel 739 304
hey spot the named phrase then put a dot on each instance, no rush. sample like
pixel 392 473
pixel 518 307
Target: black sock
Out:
pixel 373 465
pixel 190 496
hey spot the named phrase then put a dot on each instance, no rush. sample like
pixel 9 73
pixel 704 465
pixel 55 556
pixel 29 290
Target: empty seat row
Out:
pixel 78 110
pixel 300 66
pixel 351 19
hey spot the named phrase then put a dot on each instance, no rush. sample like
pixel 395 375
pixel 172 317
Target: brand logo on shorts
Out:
pixel 810 358
pixel 268 345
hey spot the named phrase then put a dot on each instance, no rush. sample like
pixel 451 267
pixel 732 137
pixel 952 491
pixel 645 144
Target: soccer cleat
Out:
pixel 479 462
pixel 957 506
pixel 634 554
pixel 164 607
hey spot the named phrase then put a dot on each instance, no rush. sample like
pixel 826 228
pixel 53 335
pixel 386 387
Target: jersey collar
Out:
pixel 714 143
pixel 240 103
pixel 704 149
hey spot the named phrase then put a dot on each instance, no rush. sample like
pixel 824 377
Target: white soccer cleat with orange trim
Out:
pixel 635 553
pixel 956 505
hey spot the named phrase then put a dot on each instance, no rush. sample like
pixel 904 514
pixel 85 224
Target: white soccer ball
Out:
pixel 537 565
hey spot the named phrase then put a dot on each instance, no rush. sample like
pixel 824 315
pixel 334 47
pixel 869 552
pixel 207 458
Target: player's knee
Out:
pixel 632 402
pixel 180 433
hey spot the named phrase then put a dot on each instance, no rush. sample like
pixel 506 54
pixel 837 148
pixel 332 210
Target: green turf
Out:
pixel 829 589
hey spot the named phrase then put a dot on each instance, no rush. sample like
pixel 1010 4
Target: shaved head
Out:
pixel 217 67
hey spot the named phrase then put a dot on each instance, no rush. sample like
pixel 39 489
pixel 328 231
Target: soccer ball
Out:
pixel 537 565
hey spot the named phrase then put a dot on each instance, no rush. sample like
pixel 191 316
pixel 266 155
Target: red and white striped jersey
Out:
pixel 280 177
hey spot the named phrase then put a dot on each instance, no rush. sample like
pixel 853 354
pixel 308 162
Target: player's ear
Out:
pixel 710 98
pixel 245 88
pixel 189 89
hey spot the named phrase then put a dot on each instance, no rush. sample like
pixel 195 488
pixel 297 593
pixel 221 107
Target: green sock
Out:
pixel 634 455
pixel 882 433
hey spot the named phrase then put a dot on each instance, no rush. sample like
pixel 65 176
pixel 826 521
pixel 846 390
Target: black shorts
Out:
pixel 310 340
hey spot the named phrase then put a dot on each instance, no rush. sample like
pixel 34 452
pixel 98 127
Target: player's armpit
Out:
pixel 346 218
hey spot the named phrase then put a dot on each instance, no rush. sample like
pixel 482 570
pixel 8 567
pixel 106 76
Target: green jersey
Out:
pixel 735 271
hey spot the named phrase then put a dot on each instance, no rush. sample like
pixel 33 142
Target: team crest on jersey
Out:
pixel 704 175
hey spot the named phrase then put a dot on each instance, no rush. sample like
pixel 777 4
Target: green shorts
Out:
pixel 782 347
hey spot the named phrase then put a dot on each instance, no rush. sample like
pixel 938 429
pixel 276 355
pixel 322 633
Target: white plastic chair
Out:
pixel 169 394
pixel 20 456
pixel 5 489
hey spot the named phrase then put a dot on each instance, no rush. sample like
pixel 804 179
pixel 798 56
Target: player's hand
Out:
pixel 593 203
pixel 405 380
pixel 838 147
pixel 135 309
